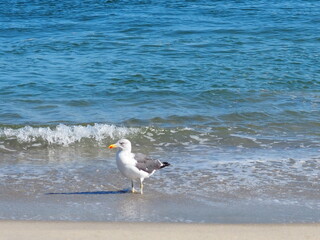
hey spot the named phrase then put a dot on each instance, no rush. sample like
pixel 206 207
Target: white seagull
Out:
pixel 135 166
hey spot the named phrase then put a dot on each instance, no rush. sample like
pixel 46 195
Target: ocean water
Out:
pixel 228 92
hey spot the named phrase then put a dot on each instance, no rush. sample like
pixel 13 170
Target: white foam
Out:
pixel 2 147
pixel 65 135
pixel 199 139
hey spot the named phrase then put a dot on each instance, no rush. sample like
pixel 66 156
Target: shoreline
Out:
pixel 37 230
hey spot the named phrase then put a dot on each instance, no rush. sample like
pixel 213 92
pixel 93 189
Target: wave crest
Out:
pixel 65 135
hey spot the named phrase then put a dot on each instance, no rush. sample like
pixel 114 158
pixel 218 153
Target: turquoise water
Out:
pixel 227 91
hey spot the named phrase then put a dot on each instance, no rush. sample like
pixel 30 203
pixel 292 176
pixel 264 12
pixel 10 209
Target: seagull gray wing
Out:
pixel 146 163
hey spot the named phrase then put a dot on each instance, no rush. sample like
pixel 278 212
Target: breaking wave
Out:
pixel 96 134
pixel 24 137
pixel 64 135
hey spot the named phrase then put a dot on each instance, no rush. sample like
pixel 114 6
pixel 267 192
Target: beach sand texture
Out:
pixel 17 230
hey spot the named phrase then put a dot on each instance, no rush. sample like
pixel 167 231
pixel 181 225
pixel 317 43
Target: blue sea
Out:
pixel 228 92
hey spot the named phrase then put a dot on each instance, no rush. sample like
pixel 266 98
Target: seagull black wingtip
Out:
pixel 165 164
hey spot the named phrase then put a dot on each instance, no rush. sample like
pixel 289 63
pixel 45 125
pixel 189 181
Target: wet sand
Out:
pixel 96 230
pixel 151 207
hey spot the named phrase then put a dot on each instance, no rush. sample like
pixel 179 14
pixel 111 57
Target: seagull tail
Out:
pixel 165 164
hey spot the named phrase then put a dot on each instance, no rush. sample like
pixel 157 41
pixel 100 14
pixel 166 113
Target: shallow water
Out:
pixel 226 91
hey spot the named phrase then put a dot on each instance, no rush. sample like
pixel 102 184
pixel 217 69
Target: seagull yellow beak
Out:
pixel 112 146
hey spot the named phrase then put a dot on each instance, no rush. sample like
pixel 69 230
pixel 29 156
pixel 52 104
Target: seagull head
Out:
pixel 123 144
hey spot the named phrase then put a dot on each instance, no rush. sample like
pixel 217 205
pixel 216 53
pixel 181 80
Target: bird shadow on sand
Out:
pixel 92 193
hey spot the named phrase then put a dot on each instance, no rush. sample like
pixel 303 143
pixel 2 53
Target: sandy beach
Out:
pixel 97 230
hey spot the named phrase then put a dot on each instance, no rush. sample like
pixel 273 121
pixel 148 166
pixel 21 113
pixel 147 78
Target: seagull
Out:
pixel 135 166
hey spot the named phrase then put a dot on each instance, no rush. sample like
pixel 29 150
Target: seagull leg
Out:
pixel 132 188
pixel 141 185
